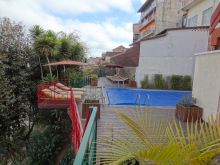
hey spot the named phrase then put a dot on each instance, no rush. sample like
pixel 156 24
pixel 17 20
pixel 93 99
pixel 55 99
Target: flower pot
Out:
pixel 132 84
pixel 190 114
pixel 88 103
pixel 94 82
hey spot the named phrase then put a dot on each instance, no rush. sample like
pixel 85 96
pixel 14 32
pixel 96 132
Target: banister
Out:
pixel 89 136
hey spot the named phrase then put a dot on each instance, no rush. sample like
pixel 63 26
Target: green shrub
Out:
pixel 44 147
pixel 187 83
pixel 159 81
pixel 176 82
pixel 187 101
pixel 68 159
pixel 49 78
pixel 94 77
pixel 145 82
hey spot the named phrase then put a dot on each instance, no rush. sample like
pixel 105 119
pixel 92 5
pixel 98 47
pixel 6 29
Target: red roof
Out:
pixel 67 62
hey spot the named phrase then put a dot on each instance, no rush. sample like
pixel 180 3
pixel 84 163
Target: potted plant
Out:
pixel 132 83
pixel 94 80
pixel 186 110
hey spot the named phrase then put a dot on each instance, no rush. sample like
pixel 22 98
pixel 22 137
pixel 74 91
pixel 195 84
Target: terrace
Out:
pixel 110 125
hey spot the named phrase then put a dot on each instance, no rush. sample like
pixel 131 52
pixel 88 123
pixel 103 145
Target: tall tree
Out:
pixel 78 51
pixel 46 44
pixel 35 32
pixel 16 103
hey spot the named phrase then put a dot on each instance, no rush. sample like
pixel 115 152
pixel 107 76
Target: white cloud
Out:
pixel 98 36
pixel 79 6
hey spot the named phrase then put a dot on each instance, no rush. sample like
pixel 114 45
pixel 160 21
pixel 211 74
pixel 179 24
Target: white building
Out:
pixel 198 12
pixel 171 52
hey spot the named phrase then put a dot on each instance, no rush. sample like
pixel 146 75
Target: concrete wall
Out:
pixel 206 88
pixel 168 14
pixel 171 54
pixel 200 7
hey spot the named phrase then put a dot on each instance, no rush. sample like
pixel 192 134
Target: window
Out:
pixel 193 21
pixel 206 16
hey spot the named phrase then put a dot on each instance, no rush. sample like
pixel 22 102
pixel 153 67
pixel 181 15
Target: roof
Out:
pixel 113 66
pixel 129 58
pixel 147 2
pixel 120 48
pixel 110 54
pixel 164 32
pixel 67 62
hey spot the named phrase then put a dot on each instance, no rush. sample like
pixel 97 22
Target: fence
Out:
pixel 87 152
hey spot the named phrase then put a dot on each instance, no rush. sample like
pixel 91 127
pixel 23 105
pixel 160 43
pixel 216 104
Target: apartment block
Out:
pixel 156 16
pixel 198 12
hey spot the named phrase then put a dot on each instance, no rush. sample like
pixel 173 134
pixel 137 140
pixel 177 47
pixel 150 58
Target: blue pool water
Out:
pixel 123 96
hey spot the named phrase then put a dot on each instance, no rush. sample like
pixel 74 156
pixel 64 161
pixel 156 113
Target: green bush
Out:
pixel 68 159
pixel 44 147
pixel 94 77
pixel 187 83
pixel 176 82
pixel 159 81
pixel 49 78
pixel 145 82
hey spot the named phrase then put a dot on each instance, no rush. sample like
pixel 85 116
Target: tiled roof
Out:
pixel 129 58
pixel 110 54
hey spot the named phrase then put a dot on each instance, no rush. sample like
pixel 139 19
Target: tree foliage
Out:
pixel 17 98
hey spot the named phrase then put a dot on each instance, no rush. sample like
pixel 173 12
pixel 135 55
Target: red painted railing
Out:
pixel 77 130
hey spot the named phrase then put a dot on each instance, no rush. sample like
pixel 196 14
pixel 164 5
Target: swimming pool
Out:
pixel 124 96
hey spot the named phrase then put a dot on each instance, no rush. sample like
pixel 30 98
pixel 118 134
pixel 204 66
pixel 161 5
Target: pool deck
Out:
pixel 109 124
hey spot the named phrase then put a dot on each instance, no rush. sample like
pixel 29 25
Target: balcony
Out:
pixel 149 10
pixel 187 4
pixel 147 33
pixel 147 21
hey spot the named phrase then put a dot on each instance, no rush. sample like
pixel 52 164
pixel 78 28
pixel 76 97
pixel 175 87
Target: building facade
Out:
pixel 157 15
pixel 171 52
pixel 198 12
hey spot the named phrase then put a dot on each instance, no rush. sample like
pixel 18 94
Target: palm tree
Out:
pixel 35 32
pixel 46 44
pixel 161 143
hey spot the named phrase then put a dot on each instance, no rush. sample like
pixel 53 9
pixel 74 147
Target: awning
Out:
pixel 67 62
pixel 113 66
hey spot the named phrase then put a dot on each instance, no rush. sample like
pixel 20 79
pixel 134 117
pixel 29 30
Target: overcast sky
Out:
pixel 101 24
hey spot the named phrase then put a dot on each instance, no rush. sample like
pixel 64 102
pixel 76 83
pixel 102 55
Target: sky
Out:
pixel 101 24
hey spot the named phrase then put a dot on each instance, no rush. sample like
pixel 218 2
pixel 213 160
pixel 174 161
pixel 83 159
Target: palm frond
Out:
pixel 160 142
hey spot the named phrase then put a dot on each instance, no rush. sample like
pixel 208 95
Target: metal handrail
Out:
pixel 138 98
pixel 147 99
pixel 86 153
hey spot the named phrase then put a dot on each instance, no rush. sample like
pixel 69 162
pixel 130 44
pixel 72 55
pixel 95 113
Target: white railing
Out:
pixel 147 21
pixel 184 4
pixel 146 33
pixel 152 6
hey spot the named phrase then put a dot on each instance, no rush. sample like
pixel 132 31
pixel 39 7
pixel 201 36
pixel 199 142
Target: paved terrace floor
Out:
pixel 109 124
